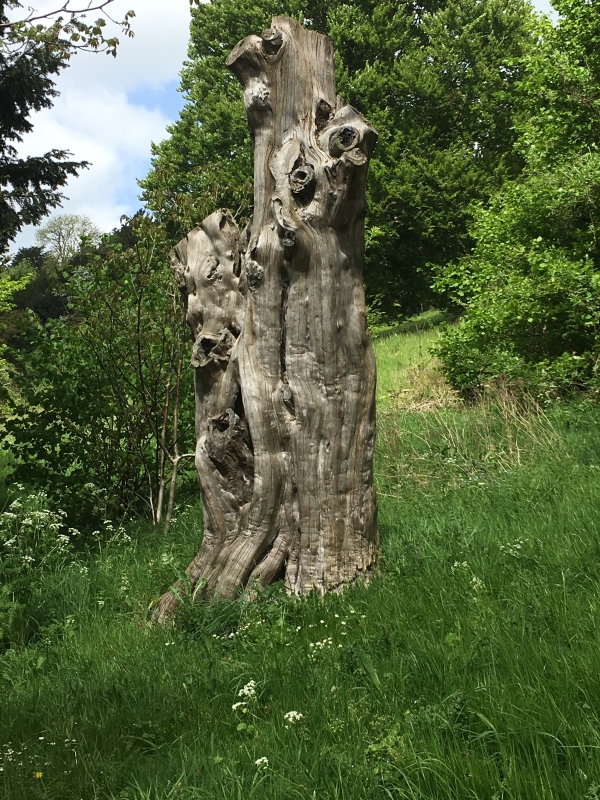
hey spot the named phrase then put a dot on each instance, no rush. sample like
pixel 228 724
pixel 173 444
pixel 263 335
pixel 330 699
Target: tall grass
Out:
pixel 407 374
pixel 466 669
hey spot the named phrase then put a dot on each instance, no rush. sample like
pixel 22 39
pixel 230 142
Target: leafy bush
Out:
pixel 530 288
pixel 103 401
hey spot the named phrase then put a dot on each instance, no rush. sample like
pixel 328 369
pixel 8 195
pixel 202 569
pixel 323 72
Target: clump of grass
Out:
pixel 444 447
pixel 466 669
pixel 408 376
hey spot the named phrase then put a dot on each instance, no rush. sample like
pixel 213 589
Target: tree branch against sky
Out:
pixel 66 26
pixel 66 8
pixel 110 110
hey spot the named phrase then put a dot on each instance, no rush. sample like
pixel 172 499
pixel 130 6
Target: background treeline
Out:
pixel 483 190
pixel 482 203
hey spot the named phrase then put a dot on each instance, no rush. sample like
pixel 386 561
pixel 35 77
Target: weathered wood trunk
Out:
pixel 285 370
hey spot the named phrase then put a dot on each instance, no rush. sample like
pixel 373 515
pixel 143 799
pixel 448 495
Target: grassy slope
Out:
pixel 468 669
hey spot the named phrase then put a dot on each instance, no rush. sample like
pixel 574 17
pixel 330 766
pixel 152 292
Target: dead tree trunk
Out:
pixel 285 370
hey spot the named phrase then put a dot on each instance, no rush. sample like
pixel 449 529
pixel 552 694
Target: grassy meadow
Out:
pixel 468 668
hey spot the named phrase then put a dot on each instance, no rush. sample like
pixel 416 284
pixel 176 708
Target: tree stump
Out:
pixel 285 369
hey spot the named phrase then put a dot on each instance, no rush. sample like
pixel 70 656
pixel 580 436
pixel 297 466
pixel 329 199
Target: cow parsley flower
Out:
pixel 292 717
pixel 248 691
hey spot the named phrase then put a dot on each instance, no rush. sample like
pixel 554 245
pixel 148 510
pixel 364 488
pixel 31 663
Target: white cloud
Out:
pixel 96 120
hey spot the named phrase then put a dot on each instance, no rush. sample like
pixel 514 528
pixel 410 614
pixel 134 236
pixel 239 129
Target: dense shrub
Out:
pixel 531 287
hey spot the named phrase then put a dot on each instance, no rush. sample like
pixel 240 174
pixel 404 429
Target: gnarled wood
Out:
pixel 285 370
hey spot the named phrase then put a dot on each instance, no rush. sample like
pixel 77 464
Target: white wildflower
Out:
pixel 249 690
pixel 292 717
pixel 262 763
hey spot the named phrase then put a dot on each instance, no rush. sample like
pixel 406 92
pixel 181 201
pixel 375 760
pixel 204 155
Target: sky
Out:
pixel 110 110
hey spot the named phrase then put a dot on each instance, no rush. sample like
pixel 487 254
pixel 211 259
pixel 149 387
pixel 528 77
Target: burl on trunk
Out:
pixel 285 370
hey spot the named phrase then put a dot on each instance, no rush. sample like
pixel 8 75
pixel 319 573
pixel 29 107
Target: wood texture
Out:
pixel 285 370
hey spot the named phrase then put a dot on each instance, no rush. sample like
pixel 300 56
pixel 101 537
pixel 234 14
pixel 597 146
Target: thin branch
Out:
pixel 63 10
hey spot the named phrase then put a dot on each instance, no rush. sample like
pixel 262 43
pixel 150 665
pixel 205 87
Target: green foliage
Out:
pixel 9 286
pixel 466 669
pixel 563 76
pixel 92 420
pixel 440 82
pixel 44 294
pixel 529 290
pixel 41 292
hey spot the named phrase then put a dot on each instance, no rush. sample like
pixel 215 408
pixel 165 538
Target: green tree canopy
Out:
pixel 439 80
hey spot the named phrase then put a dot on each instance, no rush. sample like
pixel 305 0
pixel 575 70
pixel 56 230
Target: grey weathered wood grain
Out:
pixel 285 370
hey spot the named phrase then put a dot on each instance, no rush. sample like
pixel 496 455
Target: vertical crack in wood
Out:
pixel 286 392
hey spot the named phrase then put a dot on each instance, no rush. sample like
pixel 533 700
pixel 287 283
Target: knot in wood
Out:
pixel 221 431
pixel 254 274
pixel 288 239
pixel 288 398
pixel 343 139
pixel 272 41
pixel 257 95
pixel 302 178
pixel 323 114
pixel 212 348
